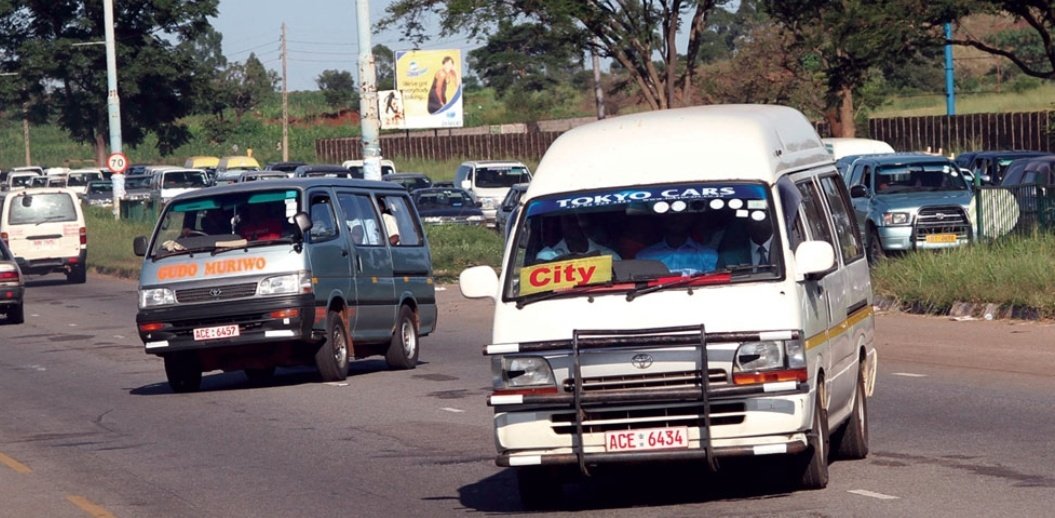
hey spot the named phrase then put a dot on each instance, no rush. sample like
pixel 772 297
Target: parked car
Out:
pixel 285 167
pixel 841 147
pixel 507 210
pixel 78 179
pixel 447 205
pixel 910 202
pixel 12 287
pixel 20 180
pixel 137 188
pixel 993 164
pixel 252 176
pixel 1026 171
pixel 99 194
pixel 169 183
pixel 230 167
pixel 46 228
pixel 356 167
pixel 489 182
pixel 323 171
pixel 202 162
pixel 410 181
pixel 308 268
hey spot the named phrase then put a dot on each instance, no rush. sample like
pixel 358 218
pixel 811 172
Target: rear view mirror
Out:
pixel 303 222
pixel 27 201
pixel 139 246
pixel 479 282
pixel 813 258
pixel 858 191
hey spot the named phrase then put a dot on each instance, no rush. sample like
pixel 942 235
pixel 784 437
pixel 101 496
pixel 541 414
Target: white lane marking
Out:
pixel 453 410
pixel 119 337
pixel 873 494
pixel 73 325
pixel 909 375
pixel 441 289
pixel 337 384
pixel 34 315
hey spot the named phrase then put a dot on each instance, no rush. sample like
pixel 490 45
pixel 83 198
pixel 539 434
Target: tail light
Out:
pixel 8 275
pixel 84 236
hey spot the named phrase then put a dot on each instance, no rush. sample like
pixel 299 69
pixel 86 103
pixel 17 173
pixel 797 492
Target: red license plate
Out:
pixel 675 437
pixel 213 333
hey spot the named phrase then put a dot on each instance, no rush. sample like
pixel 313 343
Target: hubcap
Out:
pixel 410 339
pixel 340 348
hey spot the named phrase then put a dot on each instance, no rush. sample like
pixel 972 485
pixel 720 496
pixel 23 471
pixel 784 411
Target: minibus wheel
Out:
pixel 875 248
pixel 332 356
pixel 813 464
pixel 851 442
pixel 77 275
pixel 16 314
pixel 402 352
pixel 183 372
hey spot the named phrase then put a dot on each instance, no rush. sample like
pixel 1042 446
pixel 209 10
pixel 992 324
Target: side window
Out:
pixel 361 219
pixel 866 178
pixel 323 224
pixel 406 224
pixel 845 225
pixel 1029 178
pixel 814 212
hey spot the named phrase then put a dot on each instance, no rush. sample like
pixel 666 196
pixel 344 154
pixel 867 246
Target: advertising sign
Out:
pixel 560 275
pixel 431 84
pixel 390 106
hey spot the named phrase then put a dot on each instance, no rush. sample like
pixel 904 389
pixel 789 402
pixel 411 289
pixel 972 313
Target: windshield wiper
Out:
pixel 633 294
pixel 188 251
pixel 539 297
pixel 751 269
pixel 51 218
pixel 246 245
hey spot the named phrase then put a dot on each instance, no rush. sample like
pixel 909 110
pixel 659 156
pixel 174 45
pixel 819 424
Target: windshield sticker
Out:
pixel 559 275
pixel 725 194
pixel 756 204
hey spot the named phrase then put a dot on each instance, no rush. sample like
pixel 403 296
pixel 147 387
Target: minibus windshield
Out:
pixel 208 223
pixel 645 237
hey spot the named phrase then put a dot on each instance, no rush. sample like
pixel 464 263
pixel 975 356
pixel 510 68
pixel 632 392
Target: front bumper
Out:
pixel 253 317
pixel 904 238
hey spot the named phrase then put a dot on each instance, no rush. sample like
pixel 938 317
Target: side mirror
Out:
pixel 986 179
pixel 479 282
pixel 466 184
pixel 303 222
pixel 813 258
pixel 858 191
pixel 139 246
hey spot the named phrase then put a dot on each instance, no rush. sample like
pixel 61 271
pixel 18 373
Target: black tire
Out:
pixel 402 351
pixel 77 275
pixel 332 357
pixel 16 314
pixel 260 376
pixel 540 488
pixel 851 442
pixel 183 372
pixel 812 465
pixel 875 248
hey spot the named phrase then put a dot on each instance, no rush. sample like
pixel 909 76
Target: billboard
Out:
pixel 431 84
pixel 390 106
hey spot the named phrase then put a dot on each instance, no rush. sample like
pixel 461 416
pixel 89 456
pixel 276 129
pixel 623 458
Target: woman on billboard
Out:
pixel 445 76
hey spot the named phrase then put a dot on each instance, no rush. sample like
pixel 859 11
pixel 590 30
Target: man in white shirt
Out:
pixel 574 241
pixel 678 251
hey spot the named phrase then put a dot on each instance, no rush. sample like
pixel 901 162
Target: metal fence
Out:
pixel 1018 210
pixel 1024 130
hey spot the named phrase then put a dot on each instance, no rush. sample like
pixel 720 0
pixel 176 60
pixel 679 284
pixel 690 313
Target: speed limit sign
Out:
pixel 118 163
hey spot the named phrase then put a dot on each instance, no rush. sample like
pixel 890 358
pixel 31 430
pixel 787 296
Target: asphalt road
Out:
pixel 962 425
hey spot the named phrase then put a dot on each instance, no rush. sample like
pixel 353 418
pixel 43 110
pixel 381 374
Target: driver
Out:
pixel 575 241
pixel 678 251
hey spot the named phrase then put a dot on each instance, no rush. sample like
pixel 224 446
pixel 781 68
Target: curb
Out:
pixel 961 310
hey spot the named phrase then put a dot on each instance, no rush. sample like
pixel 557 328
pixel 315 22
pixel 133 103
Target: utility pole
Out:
pixel 25 130
pixel 113 102
pixel 598 91
pixel 368 117
pixel 285 100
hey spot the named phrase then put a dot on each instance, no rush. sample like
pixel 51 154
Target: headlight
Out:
pixel 758 356
pixel 895 218
pixel 521 371
pixel 488 203
pixel 432 219
pixel 156 297
pixel 285 284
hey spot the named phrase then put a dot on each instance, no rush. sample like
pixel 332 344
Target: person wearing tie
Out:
pixel 761 232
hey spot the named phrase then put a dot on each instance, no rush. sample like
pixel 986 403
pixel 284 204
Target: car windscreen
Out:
pixel 492 177
pixel 918 177
pixel 631 235
pixel 41 208
pixel 22 181
pixel 137 182
pixel 445 199
pixel 202 222
pixel 183 180
pixel 82 179
pixel 100 188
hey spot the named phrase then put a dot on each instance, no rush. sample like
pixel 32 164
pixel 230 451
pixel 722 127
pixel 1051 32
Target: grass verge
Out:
pixel 1013 272
pixel 455 248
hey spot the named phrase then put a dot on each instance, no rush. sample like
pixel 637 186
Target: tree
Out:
pixel 385 67
pixel 847 39
pixel 1030 46
pixel 247 85
pixel 157 73
pixel 631 32
pixel 338 88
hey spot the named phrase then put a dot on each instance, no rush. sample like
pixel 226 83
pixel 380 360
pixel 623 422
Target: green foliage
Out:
pixel 338 88
pixel 1010 272
pixel 248 85
pixel 110 242
pixel 456 247
pixel 1036 99
pixel 385 67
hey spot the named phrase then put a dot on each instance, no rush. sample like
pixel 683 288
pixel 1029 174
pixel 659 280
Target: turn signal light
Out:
pixel 151 327
pixel 751 378
pixel 286 313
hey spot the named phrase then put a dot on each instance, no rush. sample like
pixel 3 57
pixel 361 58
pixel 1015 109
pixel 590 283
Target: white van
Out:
pixel 45 227
pixel 489 182
pixel 171 182
pixel 841 147
pixel 356 167
pixel 719 305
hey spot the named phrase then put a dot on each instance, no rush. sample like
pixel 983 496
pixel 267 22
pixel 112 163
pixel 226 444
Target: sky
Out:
pixel 321 35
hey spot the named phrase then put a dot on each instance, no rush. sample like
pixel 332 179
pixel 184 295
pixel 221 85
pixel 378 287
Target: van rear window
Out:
pixel 41 208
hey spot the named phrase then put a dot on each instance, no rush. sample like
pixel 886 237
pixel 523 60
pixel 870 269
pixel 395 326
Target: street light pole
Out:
pixel 113 102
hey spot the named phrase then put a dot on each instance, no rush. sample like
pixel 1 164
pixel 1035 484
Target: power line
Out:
pixel 328 53
pixel 250 49
pixel 324 43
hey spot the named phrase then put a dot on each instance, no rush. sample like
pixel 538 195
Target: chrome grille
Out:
pixel 942 220
pixel 596 421
pixel 214 293
pixel 661 380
